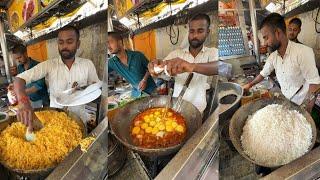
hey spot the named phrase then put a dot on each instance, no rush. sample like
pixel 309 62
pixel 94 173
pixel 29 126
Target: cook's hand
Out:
pixel 152 64
pixel 246 87
pixel 177 66
pixel 25 112
pixel 142 85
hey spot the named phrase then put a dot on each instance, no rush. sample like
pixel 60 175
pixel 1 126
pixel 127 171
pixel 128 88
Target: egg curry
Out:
pixel 158 128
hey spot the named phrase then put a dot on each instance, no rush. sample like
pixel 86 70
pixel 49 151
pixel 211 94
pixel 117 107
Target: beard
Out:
pixel 66 54
pixel 274 47
pixel 195 43
pixel 292 37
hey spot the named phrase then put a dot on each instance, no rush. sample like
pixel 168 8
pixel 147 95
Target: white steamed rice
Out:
pixel 276 136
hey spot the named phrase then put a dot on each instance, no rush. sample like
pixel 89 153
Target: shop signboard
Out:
pixel 123 6
pixel 20 11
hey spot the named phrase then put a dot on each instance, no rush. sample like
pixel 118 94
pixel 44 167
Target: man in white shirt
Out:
pixel 60 73
pixel 294 63
pixel 182 61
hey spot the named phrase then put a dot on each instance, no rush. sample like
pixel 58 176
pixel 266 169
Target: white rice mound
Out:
pixel 275 136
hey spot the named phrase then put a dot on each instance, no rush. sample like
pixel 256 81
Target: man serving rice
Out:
pixel 293 63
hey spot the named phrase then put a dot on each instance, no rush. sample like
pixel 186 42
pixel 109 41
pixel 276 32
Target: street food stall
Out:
pixel 101 153
pixel 35 24
pixel 157 135
pixel 155 28
pixel 236 162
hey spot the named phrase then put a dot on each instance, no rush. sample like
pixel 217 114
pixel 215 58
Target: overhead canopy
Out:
pixel 288 6
pixel 52 16
pixel 149 12
pixel 56 22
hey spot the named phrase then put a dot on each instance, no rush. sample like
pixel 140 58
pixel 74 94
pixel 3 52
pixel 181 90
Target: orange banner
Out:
pixel 38 51
pixel 146 43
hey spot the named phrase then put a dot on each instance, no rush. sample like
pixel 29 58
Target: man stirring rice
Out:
pixel 293 63
pixel 61 73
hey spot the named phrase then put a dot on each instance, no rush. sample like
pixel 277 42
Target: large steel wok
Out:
pixel 42 173
pixel 121 123
pixel 239 119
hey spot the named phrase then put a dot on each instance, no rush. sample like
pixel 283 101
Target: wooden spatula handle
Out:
pixel 36 123
pixel 190 76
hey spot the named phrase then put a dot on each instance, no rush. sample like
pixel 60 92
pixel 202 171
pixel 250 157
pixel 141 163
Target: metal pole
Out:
pixel 103 109
pixel 242 25
pixel 110 25
pixel 4 50
pixel 253 17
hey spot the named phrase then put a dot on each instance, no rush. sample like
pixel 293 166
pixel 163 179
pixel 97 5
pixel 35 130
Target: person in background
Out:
pixel 131 65
pixel 294 28
pixel 37 90
pixel 294 63
pixel 62 73
pixel 195 58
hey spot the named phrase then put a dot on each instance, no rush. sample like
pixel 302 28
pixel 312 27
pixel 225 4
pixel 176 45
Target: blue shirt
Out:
pixel 134 71
pixel 42 92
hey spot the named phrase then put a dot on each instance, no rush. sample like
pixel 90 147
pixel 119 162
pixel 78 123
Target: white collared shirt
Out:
pixel 296 69
pixel 196 93
pixel 59 77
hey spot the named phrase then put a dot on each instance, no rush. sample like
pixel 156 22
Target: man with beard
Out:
pixel 61 73
pixel 294 28
pixel 196 58
pixel 132 65
pixel 294 63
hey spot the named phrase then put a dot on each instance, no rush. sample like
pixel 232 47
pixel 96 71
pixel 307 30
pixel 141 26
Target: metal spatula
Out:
pixel 169 99
pixel 177 105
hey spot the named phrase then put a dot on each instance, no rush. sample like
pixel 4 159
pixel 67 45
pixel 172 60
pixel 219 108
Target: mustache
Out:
pixel 195 40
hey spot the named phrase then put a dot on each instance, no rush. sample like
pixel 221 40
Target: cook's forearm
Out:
pixel 31 90
pixel 256 80
pixel 146 76
pixel 19 87
pixel 311 96
pixel 208 69
pixel 314 89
